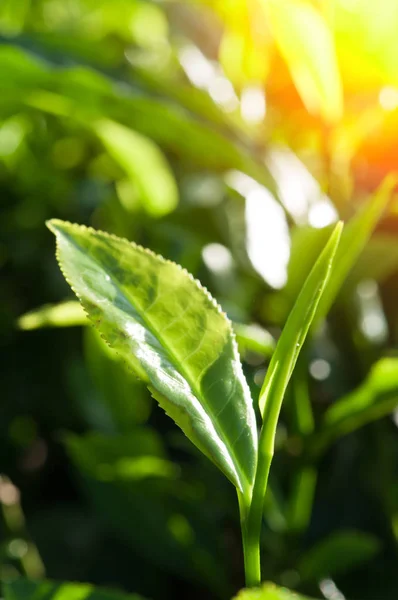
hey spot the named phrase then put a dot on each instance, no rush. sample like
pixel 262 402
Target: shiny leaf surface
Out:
pixel 174 336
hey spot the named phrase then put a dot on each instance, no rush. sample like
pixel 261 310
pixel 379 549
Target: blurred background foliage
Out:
pixel 226 135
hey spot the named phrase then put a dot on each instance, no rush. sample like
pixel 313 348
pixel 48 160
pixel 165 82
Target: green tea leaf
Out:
pixel 174 336
pixel 144 163
pixel 298 324
pixel 269 591
pixel 24 589
pixel 337 554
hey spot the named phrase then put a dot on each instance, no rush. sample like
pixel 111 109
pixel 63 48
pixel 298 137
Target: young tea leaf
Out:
pixel 278 375
pixel 175 337
pixel 298 323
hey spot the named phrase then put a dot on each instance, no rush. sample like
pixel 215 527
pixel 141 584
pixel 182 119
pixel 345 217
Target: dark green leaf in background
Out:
pixel 376 397
pixel 23 589
pixel 337 554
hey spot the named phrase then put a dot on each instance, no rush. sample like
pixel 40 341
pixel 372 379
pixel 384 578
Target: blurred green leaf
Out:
pixel 145 165
pixel 311 59
pixel 13 15
pixel 139 494
pixel 255 339
pixel 24 589
pixel 378 261
pixel 64 314
pixel 375 398
pixel 337 554
pixel 353 241
pixel 20 69
pixel 140 304
pixel 87 95
pixel 308 242
pixel 122 458
pixel 269 591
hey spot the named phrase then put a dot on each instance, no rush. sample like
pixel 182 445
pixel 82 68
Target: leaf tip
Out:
pixel 54 225
pixel 336 233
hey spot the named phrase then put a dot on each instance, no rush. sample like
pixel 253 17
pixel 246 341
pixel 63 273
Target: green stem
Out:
pixel 251 546
pixel 255 518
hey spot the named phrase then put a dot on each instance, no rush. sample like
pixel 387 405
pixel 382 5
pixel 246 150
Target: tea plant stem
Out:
pixel 251 549
pixel 255 517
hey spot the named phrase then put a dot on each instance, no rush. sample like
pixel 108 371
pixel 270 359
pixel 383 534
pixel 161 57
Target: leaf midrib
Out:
pixel 169 352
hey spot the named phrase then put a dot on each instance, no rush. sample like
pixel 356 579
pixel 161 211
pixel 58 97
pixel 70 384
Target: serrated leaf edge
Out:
pixel 213 303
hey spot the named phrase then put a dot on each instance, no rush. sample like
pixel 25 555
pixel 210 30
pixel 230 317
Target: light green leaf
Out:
pixel 13 16
pixel 86 95
pixel 175 337
pixel 376 397
pixel 133 457
pixel 64 314
pixel 279 373
pixel 144 163
pixel 338 553
pixel 297 326
pixel 254 338
pixel 269 591
pixel 24 589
